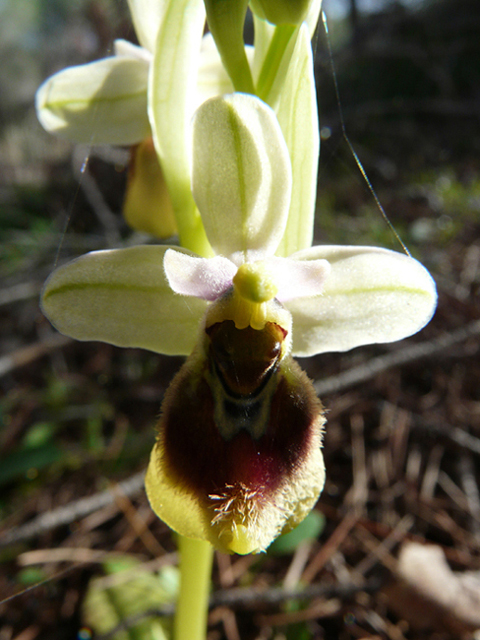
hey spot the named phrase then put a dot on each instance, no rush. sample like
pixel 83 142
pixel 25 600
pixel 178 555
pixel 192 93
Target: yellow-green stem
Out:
pixel 195 575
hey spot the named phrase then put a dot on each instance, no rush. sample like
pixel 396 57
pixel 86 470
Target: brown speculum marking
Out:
pixel 243 358
pixel 198 455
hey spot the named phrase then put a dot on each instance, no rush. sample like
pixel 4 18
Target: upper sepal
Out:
pixel 241 176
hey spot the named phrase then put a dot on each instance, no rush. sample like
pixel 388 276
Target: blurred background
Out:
pixel 402 443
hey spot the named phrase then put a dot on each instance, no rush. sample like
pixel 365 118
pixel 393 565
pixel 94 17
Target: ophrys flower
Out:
pixel 238 456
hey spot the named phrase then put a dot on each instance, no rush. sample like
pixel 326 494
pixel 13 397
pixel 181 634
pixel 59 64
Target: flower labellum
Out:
pixel 237 459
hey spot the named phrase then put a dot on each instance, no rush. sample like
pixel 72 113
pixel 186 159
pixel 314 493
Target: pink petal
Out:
pixel 205 278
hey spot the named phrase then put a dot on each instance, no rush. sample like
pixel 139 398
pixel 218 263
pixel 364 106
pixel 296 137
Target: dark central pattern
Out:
pixel 197 455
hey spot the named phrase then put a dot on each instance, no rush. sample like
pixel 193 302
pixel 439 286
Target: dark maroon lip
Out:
pixel 205 463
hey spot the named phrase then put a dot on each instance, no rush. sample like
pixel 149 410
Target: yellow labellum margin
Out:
pixel 237 459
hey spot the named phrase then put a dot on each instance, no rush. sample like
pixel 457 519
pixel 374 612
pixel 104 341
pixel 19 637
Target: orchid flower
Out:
pixel 238 458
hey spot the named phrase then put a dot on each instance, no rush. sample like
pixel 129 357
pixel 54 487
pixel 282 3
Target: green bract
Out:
pixel 225 20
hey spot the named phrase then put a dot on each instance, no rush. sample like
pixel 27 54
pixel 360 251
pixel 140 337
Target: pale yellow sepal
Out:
pixel 147 17
pixel 371 295
pixel 297 114
pixel 122 297
pixel 171 101
pixel 241 176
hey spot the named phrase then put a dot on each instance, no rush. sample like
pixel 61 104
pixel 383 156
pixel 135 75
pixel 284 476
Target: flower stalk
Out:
pixel 196 558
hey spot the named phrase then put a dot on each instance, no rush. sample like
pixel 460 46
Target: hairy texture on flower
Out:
pixel 205 278
pixel 208 278
pixel 372 295
pixel 238 459
pixel 122 297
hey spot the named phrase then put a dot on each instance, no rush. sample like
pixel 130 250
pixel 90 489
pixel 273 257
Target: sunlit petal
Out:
pixel 241 176
pixel 171 101
pixel 122 297
pixel 371 295
pixel 312 16
pixel 263 32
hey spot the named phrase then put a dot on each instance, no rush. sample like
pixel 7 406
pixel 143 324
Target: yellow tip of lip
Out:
pixel 242 542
